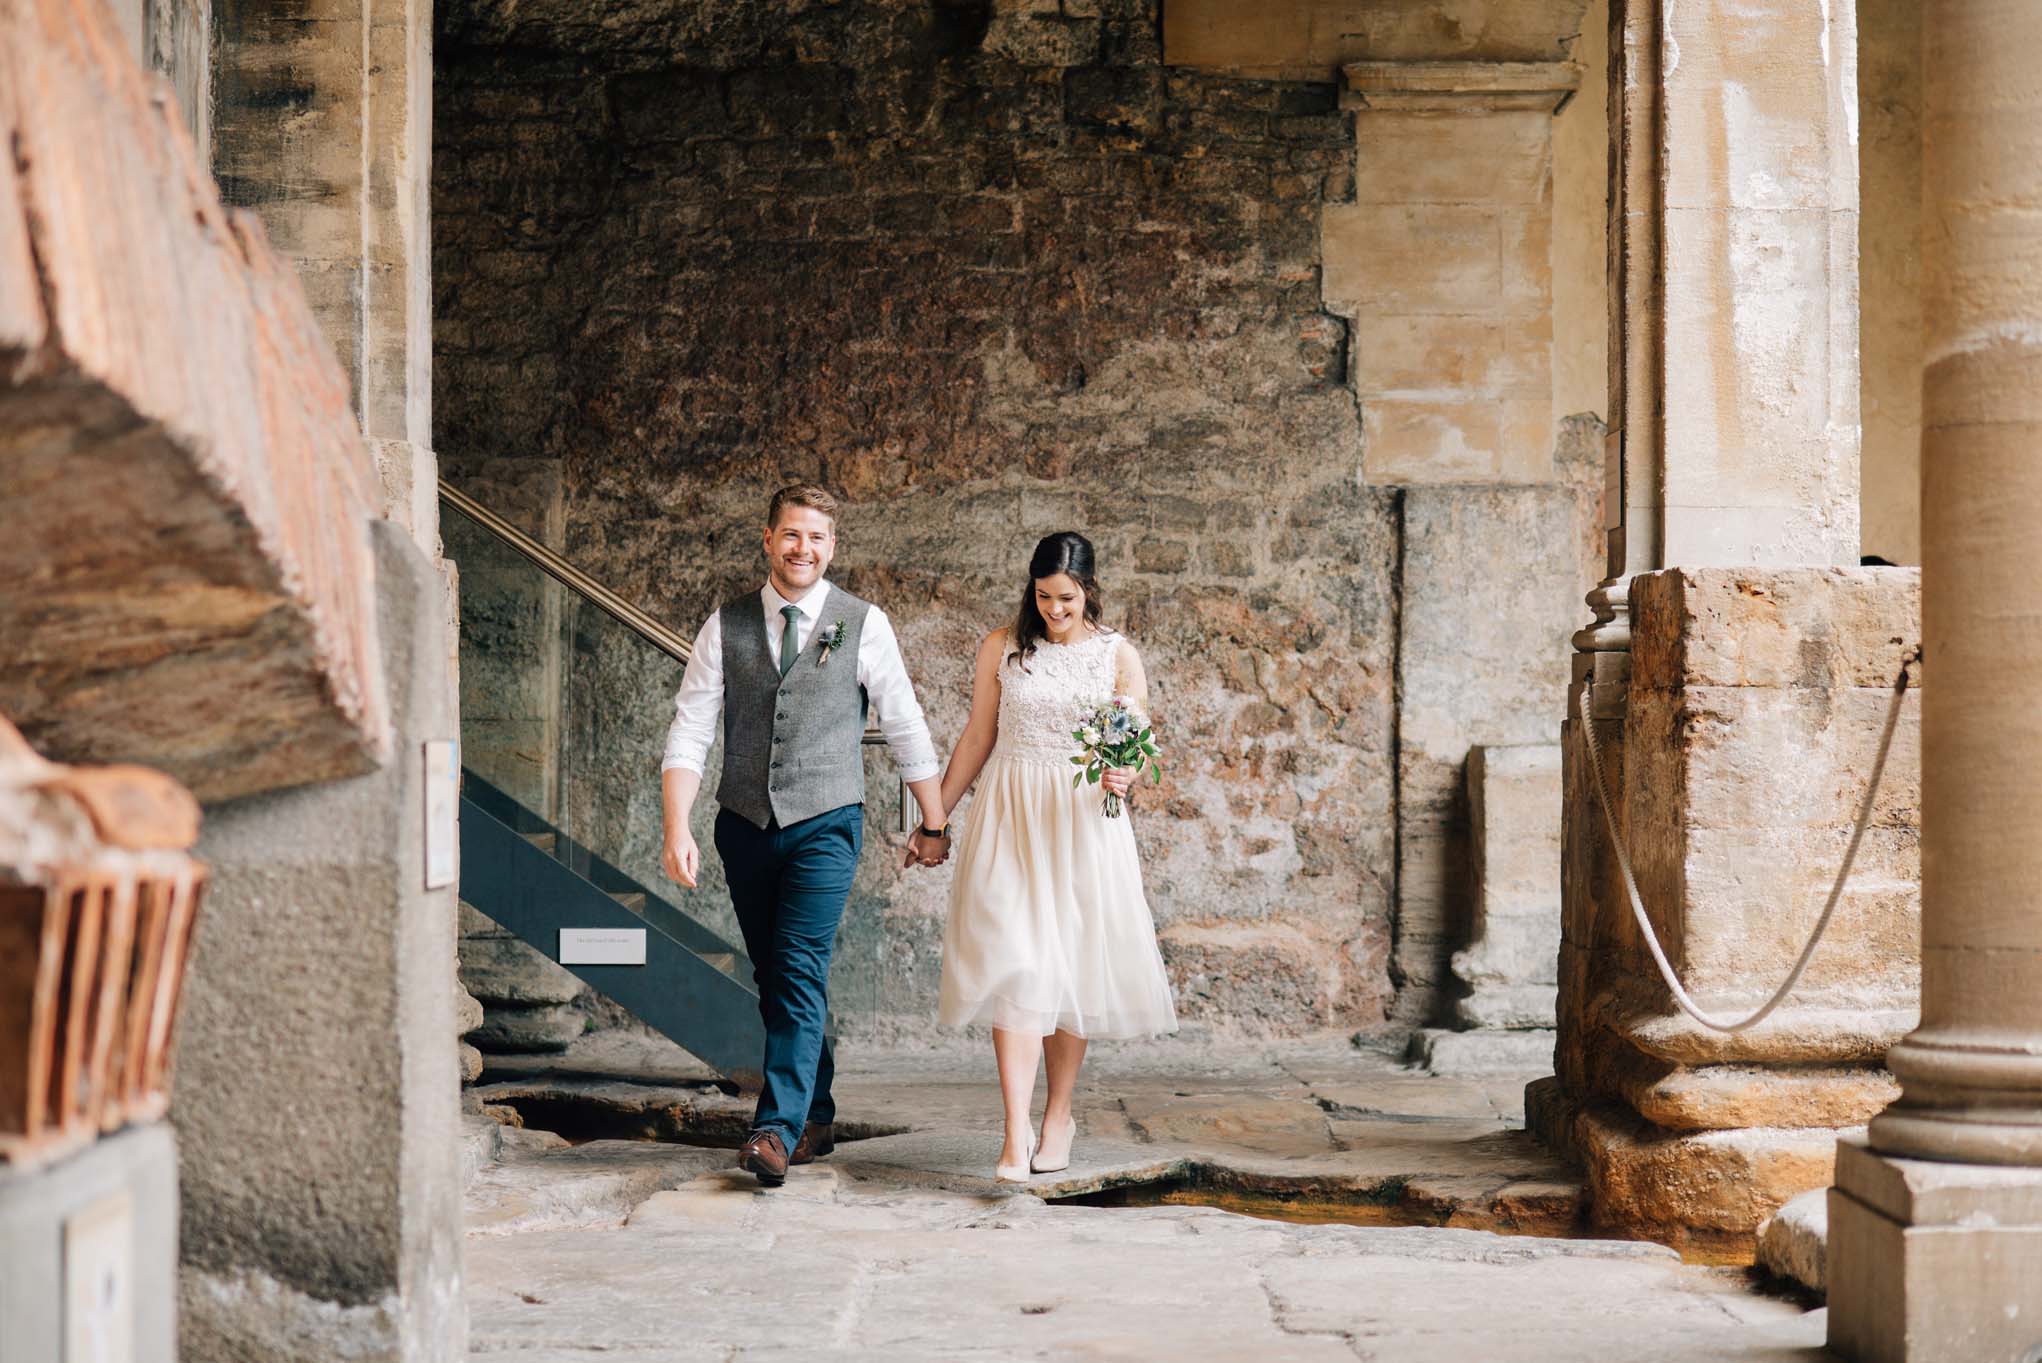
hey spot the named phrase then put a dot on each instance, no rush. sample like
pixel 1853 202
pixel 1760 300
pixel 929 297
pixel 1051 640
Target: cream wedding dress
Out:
pixel 1048 927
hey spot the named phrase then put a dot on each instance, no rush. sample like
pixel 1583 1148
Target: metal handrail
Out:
pixel 558 568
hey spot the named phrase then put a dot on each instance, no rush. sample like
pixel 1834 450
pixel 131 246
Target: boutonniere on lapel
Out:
pixel 831 642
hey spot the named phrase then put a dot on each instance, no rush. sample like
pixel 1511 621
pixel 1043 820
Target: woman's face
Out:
pixel 1061 601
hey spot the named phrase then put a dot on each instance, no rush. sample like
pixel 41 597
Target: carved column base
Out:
pixel 1705 1193
pixel 1737 748
pixel 1916 1245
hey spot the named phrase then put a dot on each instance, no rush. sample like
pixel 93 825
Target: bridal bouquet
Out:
pixel 1114 734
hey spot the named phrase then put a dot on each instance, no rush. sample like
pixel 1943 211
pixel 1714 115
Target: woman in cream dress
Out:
pixel 1049 938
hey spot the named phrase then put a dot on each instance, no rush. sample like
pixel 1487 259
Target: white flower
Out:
pixel 1089 737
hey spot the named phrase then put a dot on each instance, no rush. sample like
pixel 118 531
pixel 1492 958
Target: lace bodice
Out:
pixel 1039 706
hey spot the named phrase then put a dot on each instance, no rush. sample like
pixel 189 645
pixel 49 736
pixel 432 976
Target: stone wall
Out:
pixel 989 272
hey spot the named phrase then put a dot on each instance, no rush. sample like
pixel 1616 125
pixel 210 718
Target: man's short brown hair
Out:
pixel 801 494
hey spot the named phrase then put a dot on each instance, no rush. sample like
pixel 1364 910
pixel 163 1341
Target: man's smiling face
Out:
pixel 799 547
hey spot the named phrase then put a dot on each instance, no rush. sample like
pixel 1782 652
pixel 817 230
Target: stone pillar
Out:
pixel 1734 445
pixel 317 1107
pixel 1754 712
pixel 1514 807
pixel 1443 265
pixel 343 188
pixel 322 1203
pixel 1733 271
pixel 178 42
pixel 1937 1226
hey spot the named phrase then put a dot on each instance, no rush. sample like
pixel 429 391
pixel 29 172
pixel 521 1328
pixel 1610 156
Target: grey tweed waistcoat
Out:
pixel 791 746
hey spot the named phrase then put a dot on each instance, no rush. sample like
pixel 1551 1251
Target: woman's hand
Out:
pixel 1120 780
pixel 926 851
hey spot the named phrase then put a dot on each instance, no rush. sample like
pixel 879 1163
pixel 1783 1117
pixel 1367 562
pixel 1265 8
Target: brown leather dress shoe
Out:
pixel 817 1140
pixel 763 1155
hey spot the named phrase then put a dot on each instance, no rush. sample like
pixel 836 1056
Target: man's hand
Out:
pixel 925 850
pixel 681 857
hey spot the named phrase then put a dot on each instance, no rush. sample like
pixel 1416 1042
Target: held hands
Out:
pixel 926 851
pixel 681 857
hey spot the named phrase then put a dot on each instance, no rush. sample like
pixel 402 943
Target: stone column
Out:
pixel 343 187
pixel 1733 271
pixel 1937 1224
pixel 1734 446
pixel 322 1212
pixel 178 42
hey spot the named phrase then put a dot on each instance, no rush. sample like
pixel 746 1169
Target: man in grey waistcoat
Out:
pixel 792 669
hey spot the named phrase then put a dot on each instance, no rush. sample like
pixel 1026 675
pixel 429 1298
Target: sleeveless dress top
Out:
pixel 1049 928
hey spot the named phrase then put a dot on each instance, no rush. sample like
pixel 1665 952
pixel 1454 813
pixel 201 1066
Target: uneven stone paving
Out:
pixel 899 1246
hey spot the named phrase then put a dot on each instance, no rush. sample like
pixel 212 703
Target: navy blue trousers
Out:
pixel 788 886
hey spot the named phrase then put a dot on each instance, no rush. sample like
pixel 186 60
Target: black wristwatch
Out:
pixel 929 832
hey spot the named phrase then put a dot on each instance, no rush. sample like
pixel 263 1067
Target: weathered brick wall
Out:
pixel 988 273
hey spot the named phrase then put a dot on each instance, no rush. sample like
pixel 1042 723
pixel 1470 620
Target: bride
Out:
pixel 1049 937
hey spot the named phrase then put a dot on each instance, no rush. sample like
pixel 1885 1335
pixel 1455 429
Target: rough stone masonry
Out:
pixel 992 271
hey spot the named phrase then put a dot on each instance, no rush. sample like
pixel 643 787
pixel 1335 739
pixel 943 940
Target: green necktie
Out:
pixel 790 639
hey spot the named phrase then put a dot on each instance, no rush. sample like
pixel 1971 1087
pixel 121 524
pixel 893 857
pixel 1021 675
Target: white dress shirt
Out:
pixel 698 705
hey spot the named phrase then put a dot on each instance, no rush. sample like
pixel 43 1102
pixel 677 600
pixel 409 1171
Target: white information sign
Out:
pixel 442 813
pixel 602 946
pixel 99 1282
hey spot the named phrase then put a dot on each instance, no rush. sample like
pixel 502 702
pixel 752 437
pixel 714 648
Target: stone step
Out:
pixel 503 970
pixel 548 1028
pixel 481 1142
pixel 545 842
pixel 1517 1007
pixel 1485 1051
pixel 1794 1244
pixel 476 923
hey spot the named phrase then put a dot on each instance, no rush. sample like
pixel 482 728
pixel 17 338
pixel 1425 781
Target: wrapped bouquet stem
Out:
pixel 1114 734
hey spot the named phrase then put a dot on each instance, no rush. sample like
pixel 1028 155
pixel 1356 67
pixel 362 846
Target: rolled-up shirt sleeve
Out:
pixel 699 702
pixel 885 678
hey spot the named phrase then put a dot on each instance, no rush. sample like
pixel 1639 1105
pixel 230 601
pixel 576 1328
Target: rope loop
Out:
pixel 1843 874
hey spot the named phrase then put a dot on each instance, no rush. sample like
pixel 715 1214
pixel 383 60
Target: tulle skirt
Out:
pixel 1049 928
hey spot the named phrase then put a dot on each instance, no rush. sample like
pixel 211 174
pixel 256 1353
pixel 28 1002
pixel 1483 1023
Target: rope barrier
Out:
pixel 1680 994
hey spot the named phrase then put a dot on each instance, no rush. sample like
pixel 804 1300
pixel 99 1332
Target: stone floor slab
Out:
pixel 964 1161
pixel 596 1184
pixel 901 1248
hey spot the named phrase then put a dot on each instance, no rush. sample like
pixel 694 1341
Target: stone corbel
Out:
pixel 1459 86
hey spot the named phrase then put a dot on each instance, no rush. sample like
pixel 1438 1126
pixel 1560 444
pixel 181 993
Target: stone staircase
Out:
pixel 524 882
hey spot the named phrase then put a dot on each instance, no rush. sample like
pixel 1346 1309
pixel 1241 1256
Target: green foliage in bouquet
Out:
pixel 1114 734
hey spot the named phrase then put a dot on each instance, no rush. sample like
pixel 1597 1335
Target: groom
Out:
pixel 792 669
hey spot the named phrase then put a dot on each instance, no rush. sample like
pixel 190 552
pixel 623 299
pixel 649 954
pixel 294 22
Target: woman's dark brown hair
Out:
pixel 1065 552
